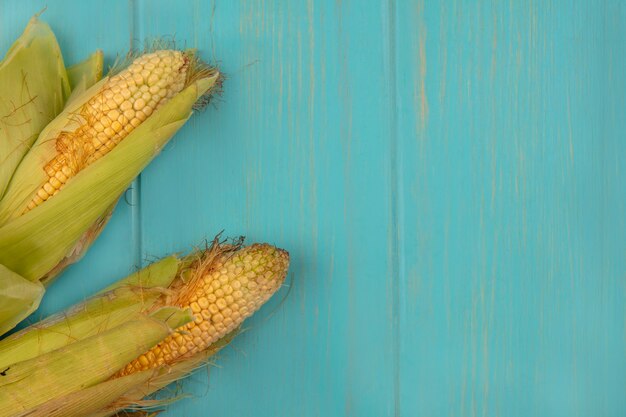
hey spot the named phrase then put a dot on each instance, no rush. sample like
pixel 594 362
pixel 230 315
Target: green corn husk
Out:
pixel 34 87
pixel 90 400
pixel 83 75
pixel 127 392
pixel 84 363
pixel 111 307
pixel 19 297
pixel 40 243
pixel 76 363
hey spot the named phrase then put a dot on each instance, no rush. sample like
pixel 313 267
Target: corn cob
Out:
pixel 242 278
pixel 123 103
pixel 221 296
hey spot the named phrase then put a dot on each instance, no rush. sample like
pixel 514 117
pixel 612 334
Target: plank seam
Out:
pixel 394 201
pixel 135 42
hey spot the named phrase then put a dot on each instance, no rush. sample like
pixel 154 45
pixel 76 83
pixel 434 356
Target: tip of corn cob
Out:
pixel 196 68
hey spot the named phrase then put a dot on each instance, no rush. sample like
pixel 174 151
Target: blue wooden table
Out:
pixel 448 176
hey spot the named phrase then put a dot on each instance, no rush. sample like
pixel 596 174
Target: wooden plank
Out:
pixel 446 175
pixel 295 154
pixel 81 27
pixel 512 275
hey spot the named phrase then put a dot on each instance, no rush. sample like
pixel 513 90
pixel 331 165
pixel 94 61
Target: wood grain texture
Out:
pixel 448 177
pixel 512 289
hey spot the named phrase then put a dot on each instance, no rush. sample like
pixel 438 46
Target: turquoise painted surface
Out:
pixel 448 177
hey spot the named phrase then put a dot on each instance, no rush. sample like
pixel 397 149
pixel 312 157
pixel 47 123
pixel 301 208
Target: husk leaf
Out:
pixel 80 247
pixel 119 303
pixel 88 400
pixel 85 74
pixel 18 298
pixel 157 274
pixel 82 364
pixel 34 89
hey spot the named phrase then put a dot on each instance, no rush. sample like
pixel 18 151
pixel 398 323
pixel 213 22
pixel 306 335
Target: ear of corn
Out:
pixel 159 274
pixel 223 290
pixel 106 369
pixel 34 88
pixel 44 234
pixel 93 125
